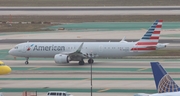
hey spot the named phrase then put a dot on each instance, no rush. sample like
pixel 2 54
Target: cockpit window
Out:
pixel 16 47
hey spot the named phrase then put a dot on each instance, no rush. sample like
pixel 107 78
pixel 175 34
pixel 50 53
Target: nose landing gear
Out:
pixel 26 62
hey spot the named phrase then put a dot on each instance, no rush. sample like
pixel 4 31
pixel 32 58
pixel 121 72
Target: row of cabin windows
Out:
pixel 104 48
pixel 57 94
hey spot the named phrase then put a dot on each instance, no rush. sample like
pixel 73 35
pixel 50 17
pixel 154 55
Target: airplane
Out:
pixel 4 69
pixel 64 52
pixel 165 85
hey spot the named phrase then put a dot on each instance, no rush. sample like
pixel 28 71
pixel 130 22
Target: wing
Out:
pixel 75 53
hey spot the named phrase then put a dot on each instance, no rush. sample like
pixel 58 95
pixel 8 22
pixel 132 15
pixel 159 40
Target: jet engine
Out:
pixel 60 58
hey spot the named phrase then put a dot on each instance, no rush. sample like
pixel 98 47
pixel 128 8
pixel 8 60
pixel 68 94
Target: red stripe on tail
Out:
pixel 154 37
pixel 158 26
pixel 160 20
pixel 156 32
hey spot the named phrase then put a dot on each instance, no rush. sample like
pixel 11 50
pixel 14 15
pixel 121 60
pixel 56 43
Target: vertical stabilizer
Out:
pixel 152 35
pixel 164 83
pixel 150 39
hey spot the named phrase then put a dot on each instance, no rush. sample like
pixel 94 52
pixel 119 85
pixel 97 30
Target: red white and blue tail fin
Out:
pixel 150 39
pixel 164 83
pixel 152 35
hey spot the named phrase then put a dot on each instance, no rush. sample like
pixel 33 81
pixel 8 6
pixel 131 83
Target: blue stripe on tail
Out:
pixel 164 83
pixel 151 29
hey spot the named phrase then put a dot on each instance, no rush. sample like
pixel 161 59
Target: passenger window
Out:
pixel 53 94
pixel 64 94
pixel 60 94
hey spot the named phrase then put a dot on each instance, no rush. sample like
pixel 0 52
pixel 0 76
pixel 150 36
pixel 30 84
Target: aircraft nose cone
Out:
pixel 11 52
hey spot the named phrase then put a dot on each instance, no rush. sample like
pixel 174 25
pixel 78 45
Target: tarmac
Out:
pixel 87 35
pixel 79 84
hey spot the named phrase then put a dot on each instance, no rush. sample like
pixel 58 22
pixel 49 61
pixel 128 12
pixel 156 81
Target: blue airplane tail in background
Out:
pixel 164 83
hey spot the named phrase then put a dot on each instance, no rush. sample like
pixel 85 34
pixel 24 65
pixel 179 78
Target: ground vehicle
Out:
pixel 4 69
pixel 58 93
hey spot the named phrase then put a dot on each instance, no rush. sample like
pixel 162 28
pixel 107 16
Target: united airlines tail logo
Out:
pixel 29 48
pixel 166 84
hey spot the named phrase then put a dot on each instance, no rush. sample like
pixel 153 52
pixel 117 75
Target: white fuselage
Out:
pixel 97 49
pixel 159 94
pixel 166 94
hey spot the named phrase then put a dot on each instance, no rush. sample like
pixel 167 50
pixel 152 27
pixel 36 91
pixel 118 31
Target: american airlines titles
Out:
pixel 49 48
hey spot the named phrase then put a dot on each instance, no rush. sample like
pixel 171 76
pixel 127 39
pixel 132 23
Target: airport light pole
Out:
pixel 91 78
pixel 91 71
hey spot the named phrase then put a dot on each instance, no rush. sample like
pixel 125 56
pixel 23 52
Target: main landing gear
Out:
pixel 81 62
pixel 26 62
pixel 90 61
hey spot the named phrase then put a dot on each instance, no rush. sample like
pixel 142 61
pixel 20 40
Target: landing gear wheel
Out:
pixel 90 61
pixel 26 62
pixel 81 62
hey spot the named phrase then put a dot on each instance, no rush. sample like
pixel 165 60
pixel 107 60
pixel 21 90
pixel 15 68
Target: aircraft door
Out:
pixel 21 48
pixel 24 48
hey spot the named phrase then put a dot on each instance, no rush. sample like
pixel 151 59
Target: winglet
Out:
pixel 164 83
pixel 80 47
pixel 123 39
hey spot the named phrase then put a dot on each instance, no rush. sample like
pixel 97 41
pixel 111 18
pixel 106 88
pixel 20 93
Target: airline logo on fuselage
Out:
pixel 29 48
pixel 49 48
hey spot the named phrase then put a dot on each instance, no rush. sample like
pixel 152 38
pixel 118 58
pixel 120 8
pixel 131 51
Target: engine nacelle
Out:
pixel 59 59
